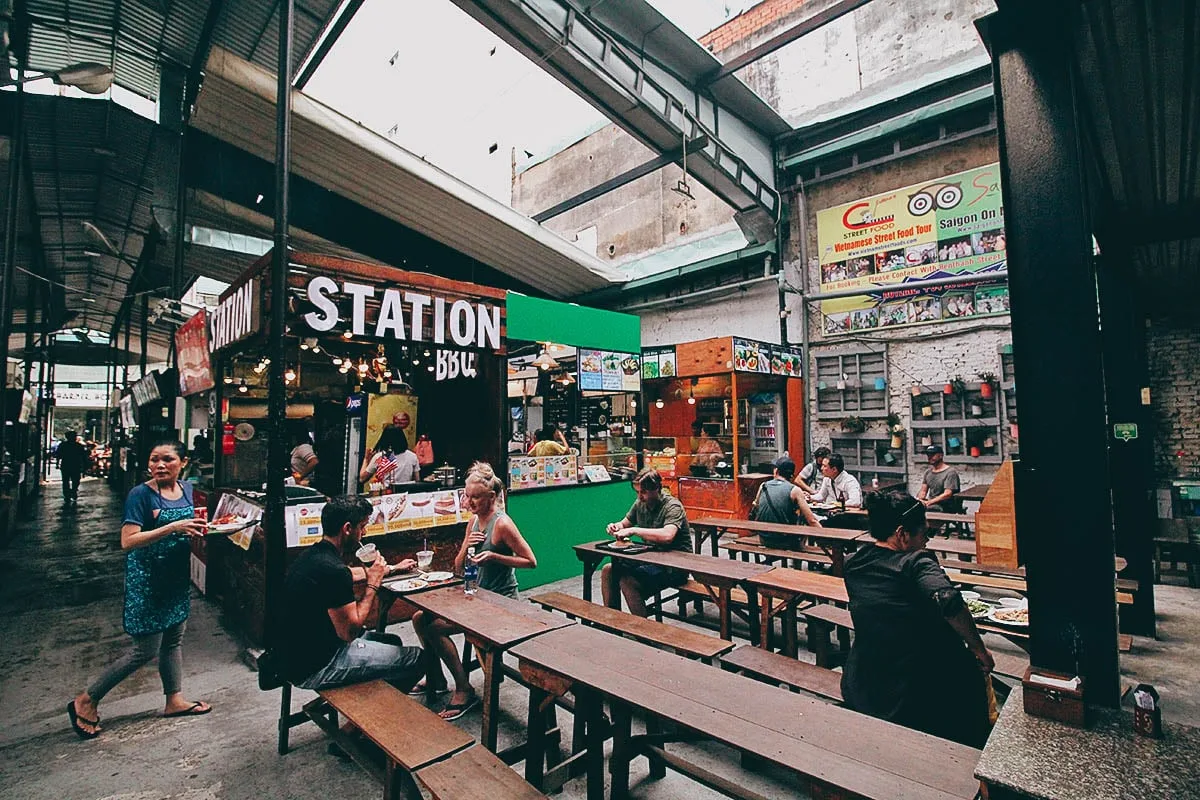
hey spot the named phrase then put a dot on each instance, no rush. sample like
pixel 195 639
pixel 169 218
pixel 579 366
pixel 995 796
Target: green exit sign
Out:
pixel 1125 431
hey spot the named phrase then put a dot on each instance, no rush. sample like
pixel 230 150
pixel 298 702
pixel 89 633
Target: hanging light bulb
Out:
pixel 316 348
pixel 228 379
pixel 633 402
pixel 416 362
pixel 430 368
pixel 691 398
pixel 363 367
pixel 347 335
pixel 289 375
pixel 659 403
pixel 337 361
pixel 544 362
pixel 242 387
pixel 304 344
pixel 344 368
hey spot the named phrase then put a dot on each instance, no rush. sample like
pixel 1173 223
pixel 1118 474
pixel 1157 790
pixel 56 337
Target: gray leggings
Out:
pixel 165 645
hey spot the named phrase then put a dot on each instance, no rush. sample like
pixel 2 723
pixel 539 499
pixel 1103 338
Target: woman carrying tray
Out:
pixel 500 550
pixel 159 522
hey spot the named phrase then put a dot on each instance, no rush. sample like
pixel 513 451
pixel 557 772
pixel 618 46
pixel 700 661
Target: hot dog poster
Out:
pixel 935 229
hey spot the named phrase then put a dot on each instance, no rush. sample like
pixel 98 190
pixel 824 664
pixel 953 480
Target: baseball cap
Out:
pixel 784 464
pixel 934 449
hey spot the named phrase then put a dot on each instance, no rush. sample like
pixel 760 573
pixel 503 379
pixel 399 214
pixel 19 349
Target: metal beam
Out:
pixel 802 28
pixel 195 73
pixel 655 107
pixel 629 176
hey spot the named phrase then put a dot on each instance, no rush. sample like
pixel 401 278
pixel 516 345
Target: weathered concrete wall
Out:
pixel 870 51
pixel 1173 351
pixel 928 354
pixel 639 218
pixel 753 313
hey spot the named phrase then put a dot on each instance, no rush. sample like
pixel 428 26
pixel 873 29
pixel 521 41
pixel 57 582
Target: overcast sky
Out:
pixel 441 85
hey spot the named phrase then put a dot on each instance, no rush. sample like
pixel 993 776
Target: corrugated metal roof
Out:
pixel 237 107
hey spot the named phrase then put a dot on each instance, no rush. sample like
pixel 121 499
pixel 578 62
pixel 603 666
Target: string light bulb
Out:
pixel 659 403
pixel 228 379
pixel 242 387
pixel 691 398
pixel 289 375
pixel 337 361
pixel 347 335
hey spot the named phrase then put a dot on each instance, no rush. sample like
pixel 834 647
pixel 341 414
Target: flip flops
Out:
pixel 193 710
pixel 459 709
pixel 420 690
pixel 75 718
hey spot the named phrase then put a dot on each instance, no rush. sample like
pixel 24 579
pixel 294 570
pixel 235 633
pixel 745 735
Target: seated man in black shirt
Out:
pixel 321 644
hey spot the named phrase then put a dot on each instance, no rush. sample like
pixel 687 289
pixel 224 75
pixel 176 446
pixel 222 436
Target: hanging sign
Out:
pixel 146 390
pixel 236 317
pixel 192 355
pixel 1125 431
pixel 937 229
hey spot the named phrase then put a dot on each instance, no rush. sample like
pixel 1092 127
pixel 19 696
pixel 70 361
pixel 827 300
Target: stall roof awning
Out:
pixel 237 106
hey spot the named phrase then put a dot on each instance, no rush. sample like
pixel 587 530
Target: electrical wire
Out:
pixel 44 279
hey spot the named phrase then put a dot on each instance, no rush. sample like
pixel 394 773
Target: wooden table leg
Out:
pixel 764 619
pixel 752 615
pixel 789 627
pixel 658 768
pixel 838 555
pixel 590 708
pixel 385 603
pixel 618 764
pixel 492 676
pixel 614 586
pixel 723 610
pixel 717 533
pixel 589 569
pixel 535 744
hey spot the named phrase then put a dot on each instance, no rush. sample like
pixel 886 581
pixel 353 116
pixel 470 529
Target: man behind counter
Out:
pixel 322 643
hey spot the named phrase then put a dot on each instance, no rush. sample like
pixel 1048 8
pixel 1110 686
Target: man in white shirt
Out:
pixel 839 486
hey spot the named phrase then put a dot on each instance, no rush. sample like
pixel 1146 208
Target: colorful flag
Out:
pixel 387 462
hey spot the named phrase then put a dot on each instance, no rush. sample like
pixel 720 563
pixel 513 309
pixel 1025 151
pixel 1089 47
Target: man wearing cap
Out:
pixel 780 500
pixel 940 483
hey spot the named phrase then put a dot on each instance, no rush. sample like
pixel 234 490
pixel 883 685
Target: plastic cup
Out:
pixel 367 554
pixel 424 559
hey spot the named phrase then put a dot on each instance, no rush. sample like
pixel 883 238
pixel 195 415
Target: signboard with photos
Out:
pixel 610 371
pixel 767 359
pixel 936 229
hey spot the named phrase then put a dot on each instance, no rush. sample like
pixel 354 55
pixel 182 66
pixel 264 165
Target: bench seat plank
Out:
pixel 775 668
pixel 753 546
pixel 681 640
pixel 472 774
pixel 409 733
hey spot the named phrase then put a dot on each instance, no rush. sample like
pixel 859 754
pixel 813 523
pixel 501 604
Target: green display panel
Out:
pixel 537 320
pixel 554 520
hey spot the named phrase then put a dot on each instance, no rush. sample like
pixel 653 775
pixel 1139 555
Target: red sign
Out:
pixel 191 355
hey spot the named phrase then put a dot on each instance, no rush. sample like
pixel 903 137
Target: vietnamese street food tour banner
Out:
pixel 927 231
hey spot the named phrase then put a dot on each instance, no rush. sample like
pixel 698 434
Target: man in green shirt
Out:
pixel 657 519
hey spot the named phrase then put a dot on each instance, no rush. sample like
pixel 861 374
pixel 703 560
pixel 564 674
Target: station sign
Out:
pixel 236 317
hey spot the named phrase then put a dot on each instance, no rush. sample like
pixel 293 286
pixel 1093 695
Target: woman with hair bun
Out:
pixel 917 659
pixel 499 551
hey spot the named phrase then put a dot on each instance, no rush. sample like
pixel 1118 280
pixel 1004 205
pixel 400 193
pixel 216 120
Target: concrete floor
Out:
pixel 60 622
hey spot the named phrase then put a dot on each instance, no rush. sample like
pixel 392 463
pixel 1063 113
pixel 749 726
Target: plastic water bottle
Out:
pixel 470 573
pixel 875 482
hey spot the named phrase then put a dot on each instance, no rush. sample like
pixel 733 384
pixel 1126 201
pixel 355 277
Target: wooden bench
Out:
pixel 822 620
pixel 752 545
pixel 779 669
pixel 410 735
pixel 658 634
pixel 472 774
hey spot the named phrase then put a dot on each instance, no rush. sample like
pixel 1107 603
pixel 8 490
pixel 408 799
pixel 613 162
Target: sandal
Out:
pixel 193 710
pixel 421 689
pixel 75 718
pixel 459 709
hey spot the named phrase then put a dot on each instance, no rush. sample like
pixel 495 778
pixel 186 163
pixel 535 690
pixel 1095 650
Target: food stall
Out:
pixel 720 411
pixel 370 346
pixel 578 369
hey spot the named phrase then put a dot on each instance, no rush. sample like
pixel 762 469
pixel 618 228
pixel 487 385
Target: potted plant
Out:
pixel 896 428
pixel 854 425
pixel 987 384
pixel 958 386
pixel 883 454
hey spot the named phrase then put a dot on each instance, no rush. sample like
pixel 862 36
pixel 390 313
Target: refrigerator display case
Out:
pixel 766 429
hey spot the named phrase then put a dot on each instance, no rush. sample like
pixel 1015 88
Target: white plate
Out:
pixel 228 527
pixel 993 618
pixel 406 585
pixel 434 577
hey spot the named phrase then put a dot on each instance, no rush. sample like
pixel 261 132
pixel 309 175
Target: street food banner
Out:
pixel 608 371
pixel 192 355
pixel 531 472
pixel 416 510
pixel 768 359
pixel 927 231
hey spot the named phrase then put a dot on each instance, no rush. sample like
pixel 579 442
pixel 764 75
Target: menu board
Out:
pixel 414 510
pixel 531 472
pixel 595 413
pixel 771 359
pixel 609 371
pixel 658 362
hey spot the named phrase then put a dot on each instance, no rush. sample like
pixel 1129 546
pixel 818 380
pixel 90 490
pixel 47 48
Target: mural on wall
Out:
pixel 930 230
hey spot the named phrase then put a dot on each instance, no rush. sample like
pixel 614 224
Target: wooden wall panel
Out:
pixel 705 357
pixel 996 522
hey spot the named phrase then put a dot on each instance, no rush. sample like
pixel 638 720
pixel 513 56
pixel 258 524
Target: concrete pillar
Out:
pixel 1063 498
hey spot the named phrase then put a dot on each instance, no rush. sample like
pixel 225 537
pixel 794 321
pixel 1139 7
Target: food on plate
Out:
pixel 227 519
pixel 1014 616
pixel 590 364
pixel 620 544
pixel 978 608
pixel 630 366
pixel 437 577
pixel 407 585
pixel 667 369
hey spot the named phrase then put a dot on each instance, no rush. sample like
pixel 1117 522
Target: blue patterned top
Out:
pixel 157 578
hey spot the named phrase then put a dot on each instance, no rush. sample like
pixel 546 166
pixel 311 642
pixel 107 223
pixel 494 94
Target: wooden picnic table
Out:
pixel 492 623
pixel 839 753
pixel 930 516
pixel 790 586
pixel 720 574
pixel 976 492
pixel 834 541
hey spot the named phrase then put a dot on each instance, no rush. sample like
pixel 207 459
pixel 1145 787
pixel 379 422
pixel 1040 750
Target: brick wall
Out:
pixel 1173 361
pixel 749 22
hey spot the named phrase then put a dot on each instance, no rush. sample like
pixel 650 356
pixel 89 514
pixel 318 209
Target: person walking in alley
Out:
pixel 72 457
pixel 159 522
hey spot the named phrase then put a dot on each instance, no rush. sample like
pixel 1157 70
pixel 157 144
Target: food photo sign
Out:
pixel 931 230
pixel 610 371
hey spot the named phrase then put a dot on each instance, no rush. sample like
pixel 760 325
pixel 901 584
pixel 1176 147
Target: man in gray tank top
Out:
pixel 780 500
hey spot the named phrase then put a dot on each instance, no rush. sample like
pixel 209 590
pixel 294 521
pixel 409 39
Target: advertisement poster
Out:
pixel 752 356
pixel 391 409
pixel 927 231
pixel 611 376
pixel 658 362
pixel 532 472
pixel 303 524
pixel 191 349
pixel 591 368
pixel 412 510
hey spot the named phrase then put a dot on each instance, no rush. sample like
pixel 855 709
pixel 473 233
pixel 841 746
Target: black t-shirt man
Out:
pixel 316 582
pixel 71 457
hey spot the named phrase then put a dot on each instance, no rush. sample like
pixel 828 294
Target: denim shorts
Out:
pixel 367 659
pixel 653 578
